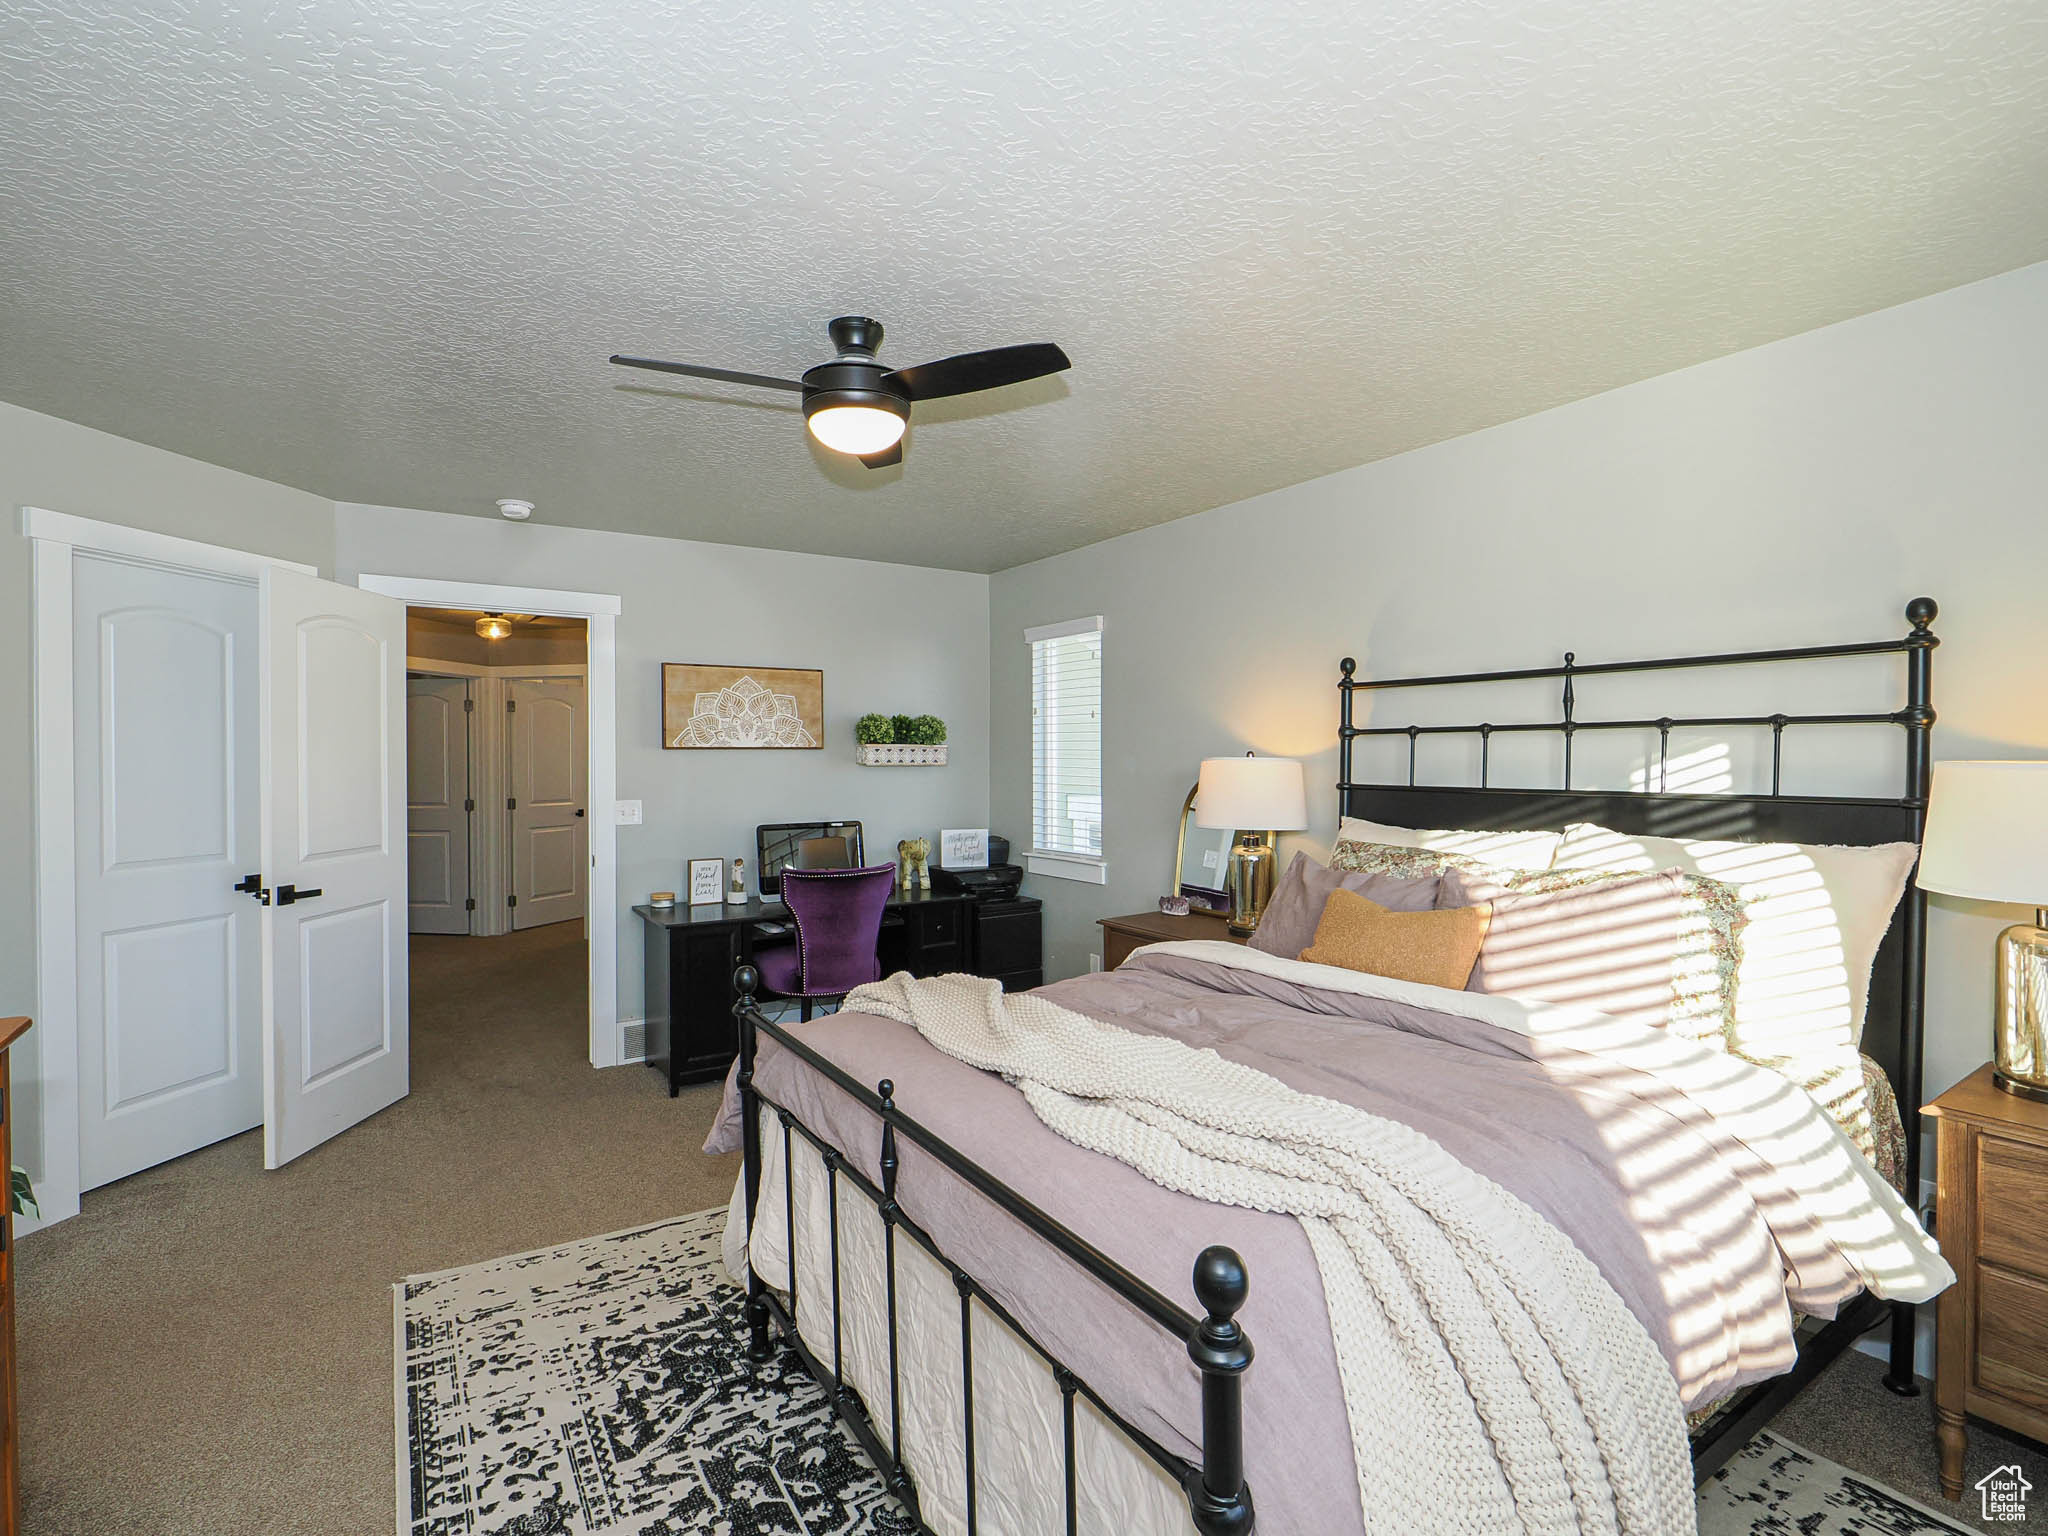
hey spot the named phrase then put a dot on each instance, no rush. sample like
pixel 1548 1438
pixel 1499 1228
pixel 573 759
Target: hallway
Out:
pixel 207 1348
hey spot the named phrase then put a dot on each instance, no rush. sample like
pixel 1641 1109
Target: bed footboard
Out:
pixel 1219 1498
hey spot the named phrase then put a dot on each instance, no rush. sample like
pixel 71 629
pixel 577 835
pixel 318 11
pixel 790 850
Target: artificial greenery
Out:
pixel 900 730
pixel 22 1195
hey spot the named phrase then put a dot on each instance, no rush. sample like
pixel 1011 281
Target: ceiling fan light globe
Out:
pixel 856 429
pixel 494 626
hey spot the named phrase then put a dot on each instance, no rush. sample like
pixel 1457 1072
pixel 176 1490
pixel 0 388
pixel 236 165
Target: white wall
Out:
pixel 64 467
pixel 893 638
pixel 1799 492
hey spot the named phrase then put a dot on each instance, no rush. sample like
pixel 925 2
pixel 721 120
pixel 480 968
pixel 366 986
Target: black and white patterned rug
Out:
pixel 602 1388
pixel 1772 1487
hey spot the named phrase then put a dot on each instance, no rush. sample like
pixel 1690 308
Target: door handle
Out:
pixel 287 894
pixel 251 885
pixel 579 810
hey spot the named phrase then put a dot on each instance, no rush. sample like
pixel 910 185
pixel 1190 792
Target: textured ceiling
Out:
pixel 382 251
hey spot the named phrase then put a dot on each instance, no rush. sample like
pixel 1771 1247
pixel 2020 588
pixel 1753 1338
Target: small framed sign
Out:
pixel 964 847
pixel 707 881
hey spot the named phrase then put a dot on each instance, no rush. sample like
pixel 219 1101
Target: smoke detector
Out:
pixel 518 511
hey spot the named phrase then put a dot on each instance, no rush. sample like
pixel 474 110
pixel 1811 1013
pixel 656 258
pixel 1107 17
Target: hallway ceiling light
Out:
pixel 494 626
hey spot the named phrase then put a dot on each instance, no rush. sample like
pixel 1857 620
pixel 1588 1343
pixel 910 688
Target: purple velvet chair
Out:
pixel 838 916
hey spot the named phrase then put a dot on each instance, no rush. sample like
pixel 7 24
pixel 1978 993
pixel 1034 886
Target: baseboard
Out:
pixel 632 1041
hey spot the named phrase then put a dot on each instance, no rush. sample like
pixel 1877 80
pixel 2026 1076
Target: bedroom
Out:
pixel 1448 342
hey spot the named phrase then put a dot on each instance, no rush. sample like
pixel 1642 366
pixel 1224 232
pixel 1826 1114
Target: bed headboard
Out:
pixel 1892 1032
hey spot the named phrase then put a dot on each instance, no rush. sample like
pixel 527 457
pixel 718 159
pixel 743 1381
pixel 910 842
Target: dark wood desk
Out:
pixel 693 951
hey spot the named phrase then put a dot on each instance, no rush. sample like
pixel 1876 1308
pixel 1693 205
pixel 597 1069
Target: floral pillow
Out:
pixel 1404 863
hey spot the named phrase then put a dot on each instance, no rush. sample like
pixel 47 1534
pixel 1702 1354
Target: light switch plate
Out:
pixel 629 812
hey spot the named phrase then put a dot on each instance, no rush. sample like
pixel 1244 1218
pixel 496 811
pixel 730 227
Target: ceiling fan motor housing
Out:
pixel 854 382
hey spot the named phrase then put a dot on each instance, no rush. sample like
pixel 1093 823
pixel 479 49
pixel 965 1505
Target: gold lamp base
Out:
pixel 1251 881
pixel 2022 1009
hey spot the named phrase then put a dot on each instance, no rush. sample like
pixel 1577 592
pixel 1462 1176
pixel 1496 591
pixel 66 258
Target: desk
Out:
pixel 693 951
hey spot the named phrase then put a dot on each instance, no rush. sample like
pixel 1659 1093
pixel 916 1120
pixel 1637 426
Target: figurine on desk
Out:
pixel 736 887
pixel 914 859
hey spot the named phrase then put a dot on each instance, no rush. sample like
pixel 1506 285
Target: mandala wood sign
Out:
pixel 746 707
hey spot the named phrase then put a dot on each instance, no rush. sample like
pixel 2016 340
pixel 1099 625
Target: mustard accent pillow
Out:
pixel 1436 948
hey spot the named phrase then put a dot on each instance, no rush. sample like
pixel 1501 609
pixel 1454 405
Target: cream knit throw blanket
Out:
pixel 1495 1382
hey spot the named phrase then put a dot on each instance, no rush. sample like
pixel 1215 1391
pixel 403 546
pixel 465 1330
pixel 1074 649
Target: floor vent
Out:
pixel 633 1040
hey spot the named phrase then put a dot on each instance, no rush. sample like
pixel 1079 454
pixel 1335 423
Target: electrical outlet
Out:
pixel 629 812
pixel 1094 962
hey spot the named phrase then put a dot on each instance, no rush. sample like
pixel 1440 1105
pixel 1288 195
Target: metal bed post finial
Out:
pixel 1217 1496
pixel 744 982
pixel 1348 667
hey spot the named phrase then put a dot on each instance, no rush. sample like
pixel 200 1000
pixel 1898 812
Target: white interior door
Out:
pixel 438 804
pixel 336 1038
pixel 550 833
pixel 169 953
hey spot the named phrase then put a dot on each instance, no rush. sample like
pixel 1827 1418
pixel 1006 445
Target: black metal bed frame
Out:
pixel 1219 1498
pixel 1894 1022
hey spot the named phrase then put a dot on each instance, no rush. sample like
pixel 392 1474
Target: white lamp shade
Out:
pixel 1987 832
pixel 1251 794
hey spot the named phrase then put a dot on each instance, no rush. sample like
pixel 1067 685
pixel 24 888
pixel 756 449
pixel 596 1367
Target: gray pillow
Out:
pixel 1289 925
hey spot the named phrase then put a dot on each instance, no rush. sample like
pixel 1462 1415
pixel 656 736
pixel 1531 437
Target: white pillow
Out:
pixel 1503 850
pixel 1816 916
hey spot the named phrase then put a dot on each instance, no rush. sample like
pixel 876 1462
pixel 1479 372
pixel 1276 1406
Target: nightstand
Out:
pixel 1991 1216
pixel 1121 935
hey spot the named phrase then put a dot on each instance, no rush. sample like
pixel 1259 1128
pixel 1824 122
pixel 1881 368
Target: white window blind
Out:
pixel 1066 738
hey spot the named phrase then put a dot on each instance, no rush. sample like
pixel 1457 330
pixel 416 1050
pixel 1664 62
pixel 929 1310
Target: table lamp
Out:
pixel 1987 839
pixel 1254 797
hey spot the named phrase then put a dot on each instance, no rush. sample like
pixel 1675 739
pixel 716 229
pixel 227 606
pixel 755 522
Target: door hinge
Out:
pixel 469 905
pixel 511 803
pixel 511 901
pixel 511 706
pixel 469 706
pixel 469 805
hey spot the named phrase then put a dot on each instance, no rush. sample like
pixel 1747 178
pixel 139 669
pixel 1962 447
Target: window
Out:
pixel 1066 750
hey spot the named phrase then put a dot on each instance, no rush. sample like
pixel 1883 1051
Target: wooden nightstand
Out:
pixel 1121 935
pixel 1991 1216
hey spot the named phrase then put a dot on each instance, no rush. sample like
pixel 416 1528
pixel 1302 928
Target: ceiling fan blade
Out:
pixel 893 454
pixel 724 375
pixel 972 371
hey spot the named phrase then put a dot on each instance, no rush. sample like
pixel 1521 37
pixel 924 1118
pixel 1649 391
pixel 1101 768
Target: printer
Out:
pixel 998 882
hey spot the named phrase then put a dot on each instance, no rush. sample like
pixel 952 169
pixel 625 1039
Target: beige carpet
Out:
pixel 207 1348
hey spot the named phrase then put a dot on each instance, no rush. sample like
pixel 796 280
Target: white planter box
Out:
pixel 889 755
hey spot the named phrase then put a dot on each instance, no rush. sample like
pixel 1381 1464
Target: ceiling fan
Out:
pixel 856 405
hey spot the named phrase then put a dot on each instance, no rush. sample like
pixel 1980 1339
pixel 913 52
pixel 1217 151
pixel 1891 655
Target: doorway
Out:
pixel 598 612
pixel 498 772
